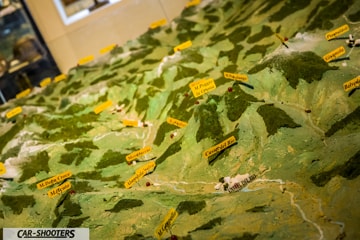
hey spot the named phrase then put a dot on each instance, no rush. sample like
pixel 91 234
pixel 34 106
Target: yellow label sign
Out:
pixel 13 112
pixel 337 32
pixel 354 83
pixel 45 82
pixel 158 23
pixel 334 54
pixel 59 190
pixel 60 78
pixel 102 106
pixel 166 223
pixel 2 168
pixel 51 181
pixel 134 179
pixel 107 49
pixel 130 123
pixel 138 153
pixel 183 46
pixel 23 93
pixel 86 60
pixel 146 167
pixel 282 39
pixel 219 147
pixel 193 3
pixel 201 87
pixel 176 122
pixel 235 76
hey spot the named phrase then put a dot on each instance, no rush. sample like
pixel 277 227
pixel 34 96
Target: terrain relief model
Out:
pixel 237 120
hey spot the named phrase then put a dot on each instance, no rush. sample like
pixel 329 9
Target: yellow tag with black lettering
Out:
pixel 130 123
pixel 159 23
pixel 219 147
pixel 337 32
pixel 146 167
pixel 166 223
pixel 235 76
pixel 2 168
pixel 86 60
pixel 134 179
pixel 138 153
pixel 59 190
pixel 201 87
pixel 107 49
pixel 51 181
pixel 100 108
pixel 23 93
pixel 59 78
pixel 13 112
pixel 45 82
pixel 354 83
pixel 176 122
pixel 183 46
pixel 334 54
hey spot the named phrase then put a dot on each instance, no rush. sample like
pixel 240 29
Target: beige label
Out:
pixel 193 3
pixel 183 46
pixel 134 179
pixel 45 82
pixel 107 49
pixel 219 147
pixel 235 76
pixel 144 169
pixel 51 181
pixel 337 32
pixel 23 93
pixel 13 112
pixel 2 168
pixel 59 190
pixel 201 87
pixel 176 122
pixel 354 83
pixel 159 23
pixel 60 78
pixel 334 54
pixel 86 60
pixel 102 106
pixel 130 123
pixel 166 223
pixel 138 153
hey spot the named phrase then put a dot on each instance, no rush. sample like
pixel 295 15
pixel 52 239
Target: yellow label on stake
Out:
pixel 60 78
pixel 138 153
pixel 134 179
pixel 201 87
pixel 86 60
pixel 51 181
pixel 59 190
pixel 334 54
pixel 176 122
pixel 23 93
pixel 13 112
pixel 159 23
pixel 280 38
pixel 183 46
pixel 337 32
pixel 146 167
pixel 2 168
pixel 166 223
pixel 130 123
pixel 107 49
pixel 45 82
pixel 102 106
pixel 354 83
pixel 235 76
pixel 219 147
pixel 193 3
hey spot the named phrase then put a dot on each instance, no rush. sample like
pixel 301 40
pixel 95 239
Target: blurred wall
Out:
pixel 116 23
